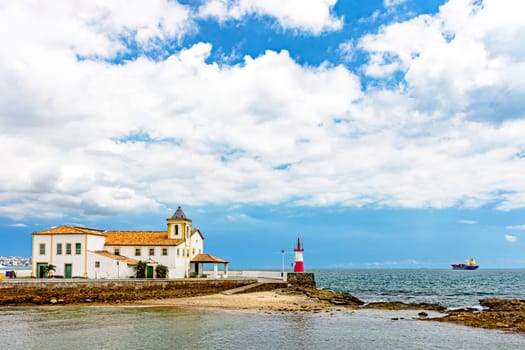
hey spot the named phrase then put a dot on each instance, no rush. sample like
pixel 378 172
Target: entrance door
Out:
pixel 67 269
pixel 40 267
pixel 149 272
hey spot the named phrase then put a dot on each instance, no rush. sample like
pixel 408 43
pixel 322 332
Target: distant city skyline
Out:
pixel 384 133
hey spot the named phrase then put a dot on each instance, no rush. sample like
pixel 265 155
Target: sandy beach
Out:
pixel 272 301
pixel 502 314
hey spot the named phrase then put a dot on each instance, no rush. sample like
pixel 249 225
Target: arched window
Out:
pixel 176 230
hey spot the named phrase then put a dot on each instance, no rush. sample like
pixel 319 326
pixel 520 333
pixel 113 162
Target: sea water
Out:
pixel 94 327
pixel 449 288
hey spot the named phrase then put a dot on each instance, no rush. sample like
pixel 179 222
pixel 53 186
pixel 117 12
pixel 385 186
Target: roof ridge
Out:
pixel 153 231
pixel 86 228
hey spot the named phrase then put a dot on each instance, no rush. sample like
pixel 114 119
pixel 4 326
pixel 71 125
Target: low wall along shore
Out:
pixel 303 279
pixel 114 291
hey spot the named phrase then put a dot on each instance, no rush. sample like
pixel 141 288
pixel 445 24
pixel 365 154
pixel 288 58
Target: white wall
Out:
pixel 77 261
pixel 36 256
pixel 178 264
pixel 108 267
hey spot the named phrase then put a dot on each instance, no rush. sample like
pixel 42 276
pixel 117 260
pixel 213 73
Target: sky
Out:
pixel 384 133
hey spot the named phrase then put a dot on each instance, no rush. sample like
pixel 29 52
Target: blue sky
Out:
pixel 384 133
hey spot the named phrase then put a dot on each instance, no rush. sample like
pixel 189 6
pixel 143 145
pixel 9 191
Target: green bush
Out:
pixel 140 269
pixel 161 271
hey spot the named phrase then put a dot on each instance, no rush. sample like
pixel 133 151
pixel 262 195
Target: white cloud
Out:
pixel 17 225
pixel 390 3
pixel 467 222
pixel 268 130
pixel 511 238
pixel 55 29
pixel 515 227
pixel 464 58
pixel 313 16
pixel 347 50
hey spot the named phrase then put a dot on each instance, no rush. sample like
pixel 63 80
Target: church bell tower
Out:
pixel 179 225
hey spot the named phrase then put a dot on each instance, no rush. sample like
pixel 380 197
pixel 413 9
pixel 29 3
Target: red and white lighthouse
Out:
pixel 299 263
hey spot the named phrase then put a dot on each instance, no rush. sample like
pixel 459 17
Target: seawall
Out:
pixel 301 279
pixel 40 292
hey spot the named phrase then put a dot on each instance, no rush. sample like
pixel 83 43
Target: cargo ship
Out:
pixel 470 265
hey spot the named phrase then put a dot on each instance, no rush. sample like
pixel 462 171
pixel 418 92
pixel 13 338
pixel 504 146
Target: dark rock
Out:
pixel 502 314
pixel 397 305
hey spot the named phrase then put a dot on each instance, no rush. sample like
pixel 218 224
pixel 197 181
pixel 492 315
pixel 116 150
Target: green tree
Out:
pixel 161 271
pixel 140 269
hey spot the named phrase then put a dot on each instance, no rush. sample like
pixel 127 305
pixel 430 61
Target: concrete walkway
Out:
pixel 261 285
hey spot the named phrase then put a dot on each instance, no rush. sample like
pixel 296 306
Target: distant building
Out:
pixel 91 253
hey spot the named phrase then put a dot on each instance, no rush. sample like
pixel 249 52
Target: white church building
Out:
pixel 81 252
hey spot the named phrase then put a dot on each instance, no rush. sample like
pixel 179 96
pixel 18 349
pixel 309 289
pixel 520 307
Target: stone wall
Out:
pixel 114 291
pixel 303 279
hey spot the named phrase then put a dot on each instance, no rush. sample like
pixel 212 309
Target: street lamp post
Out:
pixel 282 264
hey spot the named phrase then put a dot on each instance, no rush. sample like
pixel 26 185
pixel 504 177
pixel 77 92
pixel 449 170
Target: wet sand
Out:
pixel 259 301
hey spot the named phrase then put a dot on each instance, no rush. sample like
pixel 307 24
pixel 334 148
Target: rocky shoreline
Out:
pixel 501 314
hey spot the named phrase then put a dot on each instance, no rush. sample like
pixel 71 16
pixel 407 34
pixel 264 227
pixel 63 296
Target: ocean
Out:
pixel 449 288
pixel 111 327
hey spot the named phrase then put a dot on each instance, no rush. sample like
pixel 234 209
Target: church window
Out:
pixel 164 251
pixel 97 264
pixel 116 251
pixel 59 248
pixel 193 252
pixel 68 248
pixel 151 251
pixel 137 251
pixel 42 249
pixel 78 248
pixel 176 230
pixel 178 251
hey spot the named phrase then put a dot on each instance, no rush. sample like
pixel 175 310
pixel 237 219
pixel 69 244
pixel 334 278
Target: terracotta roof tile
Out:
pixel 207 258
pixel 140 238
pixel 64 230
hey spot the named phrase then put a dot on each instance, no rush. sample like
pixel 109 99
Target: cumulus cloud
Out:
pixel 465 58
pixel 511 238
pixel 312 16
pixel 90 137
pixel 89 28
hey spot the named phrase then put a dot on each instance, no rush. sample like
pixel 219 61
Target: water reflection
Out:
pixel 81 328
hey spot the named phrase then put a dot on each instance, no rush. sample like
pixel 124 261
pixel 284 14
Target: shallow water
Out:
pixel 91 327
pixel 168 328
